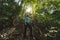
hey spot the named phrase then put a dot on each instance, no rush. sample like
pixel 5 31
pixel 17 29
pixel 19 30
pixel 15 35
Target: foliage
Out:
pixel 45 15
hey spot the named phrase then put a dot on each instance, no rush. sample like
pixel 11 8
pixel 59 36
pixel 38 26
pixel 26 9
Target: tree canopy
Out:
pixel 45 15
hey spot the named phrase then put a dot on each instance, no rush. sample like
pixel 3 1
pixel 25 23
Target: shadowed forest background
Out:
pixel 45 15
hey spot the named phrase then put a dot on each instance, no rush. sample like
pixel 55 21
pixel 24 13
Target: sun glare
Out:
pixel 28 9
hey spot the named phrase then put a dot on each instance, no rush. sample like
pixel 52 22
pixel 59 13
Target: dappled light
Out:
pixel 29 19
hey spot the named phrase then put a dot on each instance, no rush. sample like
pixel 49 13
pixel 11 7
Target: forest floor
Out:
pixel 14 34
